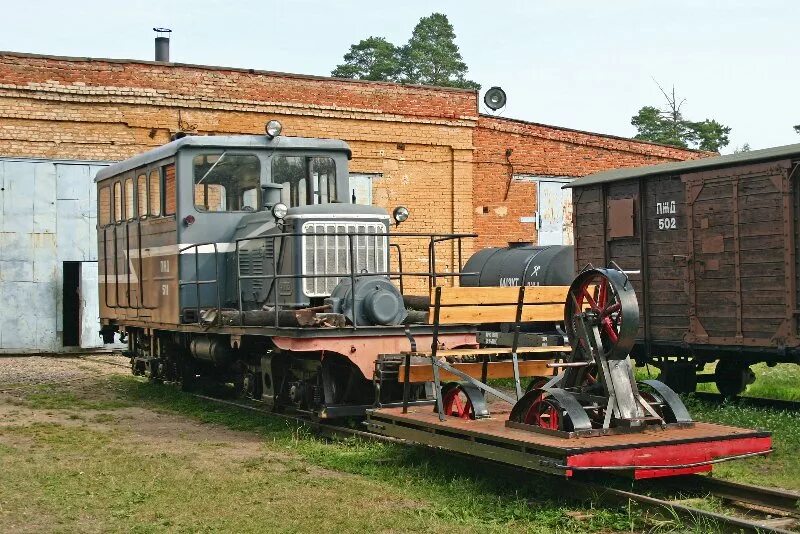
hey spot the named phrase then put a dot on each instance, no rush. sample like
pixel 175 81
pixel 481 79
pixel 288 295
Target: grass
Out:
pixel 92 473
pixel 87 467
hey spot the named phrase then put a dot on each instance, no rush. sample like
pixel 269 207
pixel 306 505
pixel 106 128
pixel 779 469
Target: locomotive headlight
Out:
pixel 400 214
pixel 273 128
pixel 279 210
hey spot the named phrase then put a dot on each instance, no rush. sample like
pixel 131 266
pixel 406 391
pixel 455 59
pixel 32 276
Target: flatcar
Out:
pixel 711 246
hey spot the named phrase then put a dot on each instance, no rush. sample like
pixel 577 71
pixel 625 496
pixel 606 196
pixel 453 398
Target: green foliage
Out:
pixel 431 57
pixel 652 125
pixel 669 127
pixel 710 134
pixel 373 58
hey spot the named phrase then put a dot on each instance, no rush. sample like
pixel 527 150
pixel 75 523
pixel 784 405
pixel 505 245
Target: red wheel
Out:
pixel 604 299
pixel 546 413
pixel 456 403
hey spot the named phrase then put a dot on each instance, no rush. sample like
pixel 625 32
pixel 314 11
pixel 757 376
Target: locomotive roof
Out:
pixel 679 167
pixel 223 141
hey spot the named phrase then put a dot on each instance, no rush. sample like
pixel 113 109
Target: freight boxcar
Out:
pixel 711 248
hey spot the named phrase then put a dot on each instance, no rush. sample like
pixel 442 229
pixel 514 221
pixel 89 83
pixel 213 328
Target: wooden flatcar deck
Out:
pixel 651 453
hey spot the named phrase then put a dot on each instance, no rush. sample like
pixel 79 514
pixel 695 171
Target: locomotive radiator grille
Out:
pixel 330 254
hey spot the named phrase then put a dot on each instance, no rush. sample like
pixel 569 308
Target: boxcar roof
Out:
pixel 223 141
pixel 679 167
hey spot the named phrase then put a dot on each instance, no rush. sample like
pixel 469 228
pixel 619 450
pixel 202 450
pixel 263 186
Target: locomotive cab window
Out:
pixel 305 180
pixel 141 195
pixel 227 182
pixel 154 185
pixel 117 201
pixel 105 205
pixel 129 208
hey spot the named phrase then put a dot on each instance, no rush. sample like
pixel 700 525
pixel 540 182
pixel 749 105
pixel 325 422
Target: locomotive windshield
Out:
pixel 305 180
pixel 227 182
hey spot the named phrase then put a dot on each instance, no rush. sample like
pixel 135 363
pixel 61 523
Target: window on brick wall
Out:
pixel 361 187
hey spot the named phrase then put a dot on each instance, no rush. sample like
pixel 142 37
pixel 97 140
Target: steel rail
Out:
pixel 755 402
pixel 785 504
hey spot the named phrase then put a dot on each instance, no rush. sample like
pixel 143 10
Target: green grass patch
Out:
pixel 87 474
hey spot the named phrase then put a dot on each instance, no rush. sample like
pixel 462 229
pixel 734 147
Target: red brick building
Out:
pixel 62 119
pixel 423 146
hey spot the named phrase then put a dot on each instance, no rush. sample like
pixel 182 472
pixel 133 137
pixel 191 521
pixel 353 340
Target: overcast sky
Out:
pixel 580 64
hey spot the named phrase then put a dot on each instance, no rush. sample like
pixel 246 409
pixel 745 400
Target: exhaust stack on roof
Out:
pixel 162 44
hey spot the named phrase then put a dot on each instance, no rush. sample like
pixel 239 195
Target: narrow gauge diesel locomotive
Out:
pixel 242 258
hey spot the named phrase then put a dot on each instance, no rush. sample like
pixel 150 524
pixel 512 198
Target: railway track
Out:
pixel 755 402
pixel 757 509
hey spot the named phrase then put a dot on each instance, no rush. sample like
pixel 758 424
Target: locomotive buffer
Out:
pixel 591 416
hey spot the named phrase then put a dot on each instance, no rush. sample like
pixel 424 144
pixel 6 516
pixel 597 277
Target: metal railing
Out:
pixel 272 280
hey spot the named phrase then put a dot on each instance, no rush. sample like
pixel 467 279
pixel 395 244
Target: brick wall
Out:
pixel 506 147
pixel 433 151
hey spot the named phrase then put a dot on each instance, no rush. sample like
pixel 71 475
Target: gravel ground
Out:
pixel 22 371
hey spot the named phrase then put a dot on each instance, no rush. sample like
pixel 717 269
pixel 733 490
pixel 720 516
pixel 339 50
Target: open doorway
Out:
pixel 71 304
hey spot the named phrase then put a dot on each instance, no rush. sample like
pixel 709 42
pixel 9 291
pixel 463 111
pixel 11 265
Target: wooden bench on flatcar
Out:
pixel 474 366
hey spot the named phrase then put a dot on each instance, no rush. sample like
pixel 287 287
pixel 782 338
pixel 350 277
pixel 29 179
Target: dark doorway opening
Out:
pixel 72 304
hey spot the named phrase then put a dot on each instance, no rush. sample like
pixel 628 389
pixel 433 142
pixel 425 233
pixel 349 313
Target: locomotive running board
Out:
pixel 647 454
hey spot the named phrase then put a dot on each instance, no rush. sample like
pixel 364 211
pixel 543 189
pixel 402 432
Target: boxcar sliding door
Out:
pixel 739 268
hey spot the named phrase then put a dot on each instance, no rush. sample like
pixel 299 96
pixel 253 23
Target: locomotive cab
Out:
pixel 236 222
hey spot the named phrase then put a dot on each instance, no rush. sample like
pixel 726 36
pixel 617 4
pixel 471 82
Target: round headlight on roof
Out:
pixel 273 128
pixel 400 214
pixel 279 210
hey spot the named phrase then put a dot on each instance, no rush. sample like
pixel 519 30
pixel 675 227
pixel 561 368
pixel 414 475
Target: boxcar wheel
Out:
pixel 733 377
pixel 680 376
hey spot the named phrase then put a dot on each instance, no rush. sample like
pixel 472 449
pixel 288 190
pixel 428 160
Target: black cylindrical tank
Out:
pixel 521 263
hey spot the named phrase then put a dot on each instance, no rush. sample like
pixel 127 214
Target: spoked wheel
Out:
pixel 537 382
pixel 546 412
pixel 607 300
pixel 456 401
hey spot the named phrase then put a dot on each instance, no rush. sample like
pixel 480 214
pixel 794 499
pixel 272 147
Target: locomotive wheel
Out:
pixel 463 401
pixel 607 299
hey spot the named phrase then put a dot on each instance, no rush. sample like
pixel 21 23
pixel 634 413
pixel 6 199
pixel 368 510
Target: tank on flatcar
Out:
pixel 711 247
pixel 520 264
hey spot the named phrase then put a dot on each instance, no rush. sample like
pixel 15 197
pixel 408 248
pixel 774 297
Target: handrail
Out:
pixel 349 271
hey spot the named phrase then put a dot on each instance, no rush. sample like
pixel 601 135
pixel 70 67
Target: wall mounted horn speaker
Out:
pixel 495 98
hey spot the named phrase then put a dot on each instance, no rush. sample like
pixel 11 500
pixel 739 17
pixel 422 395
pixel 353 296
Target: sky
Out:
pixel 587 65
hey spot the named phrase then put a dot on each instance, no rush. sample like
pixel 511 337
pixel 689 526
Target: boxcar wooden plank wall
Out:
pixel 667 258
pixel 740 250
